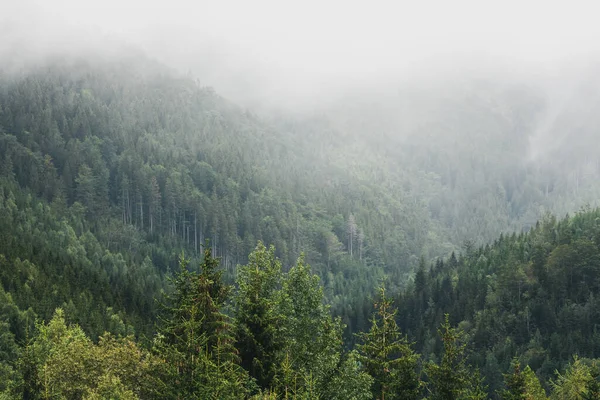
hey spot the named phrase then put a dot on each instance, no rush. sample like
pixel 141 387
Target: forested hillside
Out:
pixel 272 336
pixel 487 155
pixel 121 180
pixel 145 164
pixel 531 295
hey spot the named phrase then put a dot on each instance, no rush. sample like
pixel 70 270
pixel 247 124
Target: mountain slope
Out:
pixel 533 295
pixel 145 163
pixel 148 163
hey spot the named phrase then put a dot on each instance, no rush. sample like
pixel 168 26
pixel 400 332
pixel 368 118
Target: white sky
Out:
pixel 290 46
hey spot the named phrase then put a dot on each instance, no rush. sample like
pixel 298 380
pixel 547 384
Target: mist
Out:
pixel 308 152
pixel 392 60
pixel 278 53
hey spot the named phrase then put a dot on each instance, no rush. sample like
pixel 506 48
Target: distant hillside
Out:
pixel 139 164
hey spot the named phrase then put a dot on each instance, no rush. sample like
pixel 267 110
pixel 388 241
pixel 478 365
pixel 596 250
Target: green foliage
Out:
pixel 110 387
pixel 313 364
pixel 257 316
pixel 476 390
pixel 533 295
pixel 516 388
pixel 108 170
pixel 533 387
pixel 349 380
pixel 196 338
pixel 574 383
pixel 451 378
pixel 67 364
pixel 593 385
pixel 388 356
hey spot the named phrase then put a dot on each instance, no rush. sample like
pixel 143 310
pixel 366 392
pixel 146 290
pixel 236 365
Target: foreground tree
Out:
pixel 258 320
pixel 516 388
pixel 196 338
pixel 62 362
pixel 593 385
pixel 388 356
pixel 574 383
pixel 312 363
pixel 522 383
pixel 451 378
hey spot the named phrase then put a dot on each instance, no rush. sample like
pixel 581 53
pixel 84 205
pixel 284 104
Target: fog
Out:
pixel 334 55
pixel 271 51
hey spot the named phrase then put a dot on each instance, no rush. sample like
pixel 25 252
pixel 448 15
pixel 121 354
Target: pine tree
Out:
pixel 450 379
pixel 515 383
pixel 212 295
pixel 533 387
pixel 593 385
pixel 388 356
pixel 196 338
pixel 181 339
pixel 258 335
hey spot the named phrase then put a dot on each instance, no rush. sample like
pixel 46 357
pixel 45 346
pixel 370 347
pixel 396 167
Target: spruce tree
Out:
pixel 212 295
pixel 388 356
pixel 593 385
pixel 196 338
pixel 515 383
pixel 449 379
pixel 258 322
pixel 534 388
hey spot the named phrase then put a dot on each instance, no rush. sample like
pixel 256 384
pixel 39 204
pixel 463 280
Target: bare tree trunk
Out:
pixel 142 211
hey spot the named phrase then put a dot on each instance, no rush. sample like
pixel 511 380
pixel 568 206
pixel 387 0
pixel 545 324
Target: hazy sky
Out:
pixel 301 47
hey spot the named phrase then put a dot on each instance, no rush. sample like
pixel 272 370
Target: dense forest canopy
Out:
pixel 158 240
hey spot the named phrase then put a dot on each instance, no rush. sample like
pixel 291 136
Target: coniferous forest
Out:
pixel 158 241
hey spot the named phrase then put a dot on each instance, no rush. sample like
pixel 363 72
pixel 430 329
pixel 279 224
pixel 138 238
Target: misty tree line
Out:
pixel 139 160
pixel 179 164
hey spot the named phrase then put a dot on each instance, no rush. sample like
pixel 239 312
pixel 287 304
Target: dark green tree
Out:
pixel 196 338
pixel 258 322
pixel 449 379
pixel 387 354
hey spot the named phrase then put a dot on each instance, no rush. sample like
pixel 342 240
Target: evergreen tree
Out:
pixel 195 337
pixel 593 385
pixel 387 355
pixel 476 390
pixel 449 379
pixel 515 383
pixel 574 383
pixel 258 322
pixel 349 381
pixel 211 298
pixel 533 387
